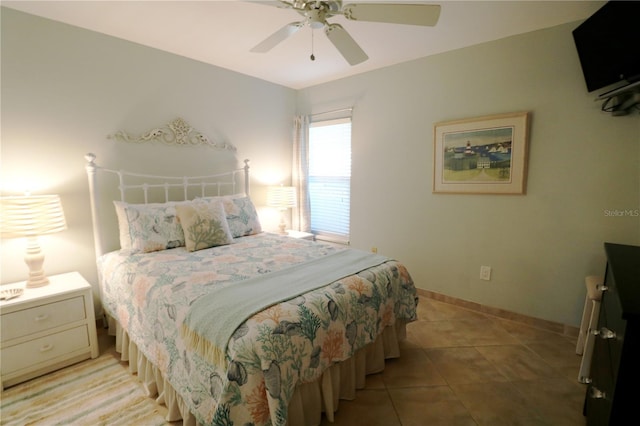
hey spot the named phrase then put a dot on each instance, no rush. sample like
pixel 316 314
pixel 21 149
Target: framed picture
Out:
pixel 483 155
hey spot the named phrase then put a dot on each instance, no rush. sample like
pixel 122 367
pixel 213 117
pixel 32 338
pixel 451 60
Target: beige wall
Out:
pixel 64 89
pixel 540 245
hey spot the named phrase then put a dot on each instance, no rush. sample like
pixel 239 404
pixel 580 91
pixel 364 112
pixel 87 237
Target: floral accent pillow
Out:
pixel 242 216
pixel 204 224
pixel 153 227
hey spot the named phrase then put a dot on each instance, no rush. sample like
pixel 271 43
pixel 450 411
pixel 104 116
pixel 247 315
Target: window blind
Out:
pixel 330 179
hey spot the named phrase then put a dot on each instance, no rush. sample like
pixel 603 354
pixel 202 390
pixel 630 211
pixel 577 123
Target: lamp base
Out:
pixel 283 225
pixel 282 228
pixel 39 280
pixel 34 258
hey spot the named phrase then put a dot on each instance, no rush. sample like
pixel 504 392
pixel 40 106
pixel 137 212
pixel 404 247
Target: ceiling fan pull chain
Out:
pixel 312 57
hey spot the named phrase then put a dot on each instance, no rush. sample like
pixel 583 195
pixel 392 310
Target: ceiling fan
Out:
pixel 317 12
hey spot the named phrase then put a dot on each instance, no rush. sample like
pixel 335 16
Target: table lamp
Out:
pixel 282 198
pixel 30 216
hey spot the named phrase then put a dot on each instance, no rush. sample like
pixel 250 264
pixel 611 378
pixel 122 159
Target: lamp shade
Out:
pixel 282 197
pixel 31 215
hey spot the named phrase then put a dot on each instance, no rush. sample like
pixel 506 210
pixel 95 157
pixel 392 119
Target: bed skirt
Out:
pixel 309 400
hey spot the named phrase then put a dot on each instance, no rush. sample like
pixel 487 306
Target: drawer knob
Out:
pixel 604 333
pixel 596 393
pixel 41 317
pixel 46 347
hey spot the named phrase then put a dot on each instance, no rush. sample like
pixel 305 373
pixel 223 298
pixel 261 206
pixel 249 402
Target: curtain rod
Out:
pixel 332 112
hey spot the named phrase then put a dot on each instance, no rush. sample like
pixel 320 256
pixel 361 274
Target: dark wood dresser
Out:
pixel 612 395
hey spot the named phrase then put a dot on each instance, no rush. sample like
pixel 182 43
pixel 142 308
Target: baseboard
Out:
pixel 555 327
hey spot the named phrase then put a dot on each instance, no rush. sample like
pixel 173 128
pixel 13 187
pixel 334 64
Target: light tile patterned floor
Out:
pixel 460 367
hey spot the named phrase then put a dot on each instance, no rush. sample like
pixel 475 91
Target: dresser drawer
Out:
pixel 600 391
pixel 40 318
pixel 44 349
pixel 614 322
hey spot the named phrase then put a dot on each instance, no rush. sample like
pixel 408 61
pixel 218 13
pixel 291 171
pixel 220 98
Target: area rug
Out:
pixel 93 392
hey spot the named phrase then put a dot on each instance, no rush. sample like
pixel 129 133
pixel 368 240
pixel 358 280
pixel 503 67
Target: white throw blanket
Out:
pixel 214 317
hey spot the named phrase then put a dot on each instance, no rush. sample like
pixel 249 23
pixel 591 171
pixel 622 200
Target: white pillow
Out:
pixel 123 225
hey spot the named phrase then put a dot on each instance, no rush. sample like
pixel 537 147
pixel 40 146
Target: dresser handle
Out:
pixel 42 317
pixel 46 347
pixel 597 393
pixel 604 333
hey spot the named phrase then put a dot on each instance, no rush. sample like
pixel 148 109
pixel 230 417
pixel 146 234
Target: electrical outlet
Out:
pixel 485 273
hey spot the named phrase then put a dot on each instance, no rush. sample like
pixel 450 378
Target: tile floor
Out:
pixel 460 367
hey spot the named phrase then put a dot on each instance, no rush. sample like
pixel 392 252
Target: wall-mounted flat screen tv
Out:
pixel 608 45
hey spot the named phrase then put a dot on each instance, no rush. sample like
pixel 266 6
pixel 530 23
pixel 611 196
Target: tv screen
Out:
pixel 608 45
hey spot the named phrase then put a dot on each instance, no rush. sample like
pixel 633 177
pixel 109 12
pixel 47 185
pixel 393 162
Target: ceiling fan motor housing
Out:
pixel 317 12
pixel 316 18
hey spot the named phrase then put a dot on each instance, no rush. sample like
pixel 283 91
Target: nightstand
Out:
pixel 46 328
pixel 300 235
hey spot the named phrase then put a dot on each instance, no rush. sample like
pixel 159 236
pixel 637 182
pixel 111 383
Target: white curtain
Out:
pixel 301 218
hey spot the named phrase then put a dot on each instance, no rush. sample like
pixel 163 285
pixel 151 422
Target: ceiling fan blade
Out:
pixel 276 38
pixel 409 14
pixel 345 44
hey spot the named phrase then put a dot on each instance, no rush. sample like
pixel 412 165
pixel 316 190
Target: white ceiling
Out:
pixel 221 33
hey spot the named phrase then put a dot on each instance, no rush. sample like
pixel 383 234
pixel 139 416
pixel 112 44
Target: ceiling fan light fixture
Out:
pixel 316 17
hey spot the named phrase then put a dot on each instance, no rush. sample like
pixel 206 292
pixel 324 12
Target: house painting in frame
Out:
pixel 484 155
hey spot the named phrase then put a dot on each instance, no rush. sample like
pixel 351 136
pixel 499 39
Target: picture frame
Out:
pixel 482 155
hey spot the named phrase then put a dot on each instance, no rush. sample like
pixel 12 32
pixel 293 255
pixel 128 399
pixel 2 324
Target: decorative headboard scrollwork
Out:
pixel 178 132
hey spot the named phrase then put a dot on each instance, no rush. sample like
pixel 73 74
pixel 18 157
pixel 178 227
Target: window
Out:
pixel 330 179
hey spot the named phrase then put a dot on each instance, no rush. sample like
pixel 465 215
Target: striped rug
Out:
pixel 93 392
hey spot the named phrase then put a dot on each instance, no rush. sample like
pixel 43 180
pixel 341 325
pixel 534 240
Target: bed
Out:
pixel 318 319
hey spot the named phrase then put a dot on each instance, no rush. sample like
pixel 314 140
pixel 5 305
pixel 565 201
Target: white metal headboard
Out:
pixel 172 188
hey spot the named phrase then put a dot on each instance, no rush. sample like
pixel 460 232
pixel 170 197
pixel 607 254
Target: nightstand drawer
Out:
pixel 46 348
pixel 44 317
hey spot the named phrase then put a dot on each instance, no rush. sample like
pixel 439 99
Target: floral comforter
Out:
pixel 272 352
